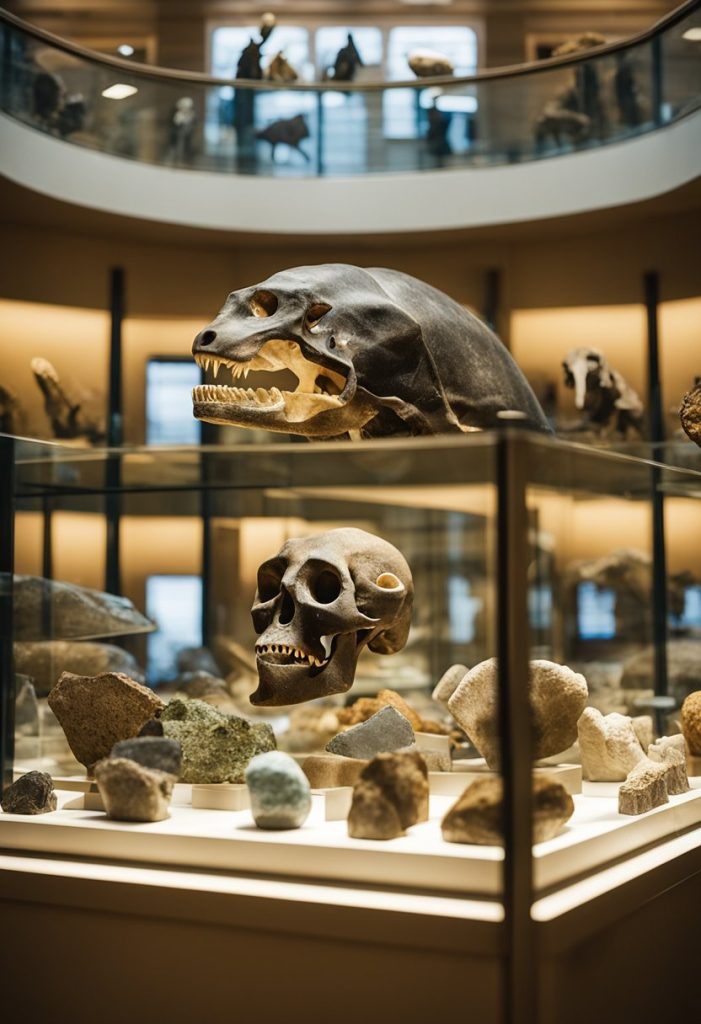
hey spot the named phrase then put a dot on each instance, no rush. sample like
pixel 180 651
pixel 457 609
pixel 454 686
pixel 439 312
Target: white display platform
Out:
pixel 229 841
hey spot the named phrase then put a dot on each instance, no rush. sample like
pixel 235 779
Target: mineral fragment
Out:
pixel 446 685
pixel 390 795
pixel 279 790
pixel 32 793
pixel 366 707
pixel 216 747
pixel 98 711
pixel 326 771
pixel 386 730
pixel 690 413
pixel 152 752
pixel 643 789
pixel 691 722
pixel 131 792
pixel 45 660
pixel 676 742
pixel 73 610
pixel 676 778
pixel 477 815
pixel 608 745
pixel 557 698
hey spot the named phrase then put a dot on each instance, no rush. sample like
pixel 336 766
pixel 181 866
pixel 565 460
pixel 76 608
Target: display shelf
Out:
pixel 230 841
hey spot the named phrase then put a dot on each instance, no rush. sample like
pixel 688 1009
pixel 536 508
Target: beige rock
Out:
pixel 476 817
pixel 132 792
pixel 557 697
pixel 676 778
pixel 390 796
pixel 608 745
pixel 96 712
pixel 676 742
pixel 644 788
pixel 445 687
pixel 691 722
pixel 326 771
pixel 643 726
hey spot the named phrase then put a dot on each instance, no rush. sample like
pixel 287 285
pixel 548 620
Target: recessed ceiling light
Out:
pixel 125 49
pixel 119 91
pixel 694 34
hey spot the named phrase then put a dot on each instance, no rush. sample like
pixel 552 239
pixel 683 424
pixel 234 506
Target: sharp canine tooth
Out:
pixel 215 368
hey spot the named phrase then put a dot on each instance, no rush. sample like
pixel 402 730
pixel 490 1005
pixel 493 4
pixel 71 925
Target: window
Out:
pixel 463 609
pixel 169 418
pixel 596 612
pixel 175 604
pixel 691 616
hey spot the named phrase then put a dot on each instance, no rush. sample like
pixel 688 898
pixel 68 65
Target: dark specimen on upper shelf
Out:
pixel 71 416
pixel 32 793
pixel 288 131
pixel 319 602
pixel 690 412
pixel 375 352
pixel 608 403
pixel 72 611
pixel 12 415
pixel 346 63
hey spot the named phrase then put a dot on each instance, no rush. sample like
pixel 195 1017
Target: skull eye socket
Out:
pixel 269 580
pixel 388 581
pixel 325 586
pixel 263 304
pixel 315 313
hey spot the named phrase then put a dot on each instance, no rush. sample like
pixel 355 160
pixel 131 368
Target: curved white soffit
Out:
pixel 612 175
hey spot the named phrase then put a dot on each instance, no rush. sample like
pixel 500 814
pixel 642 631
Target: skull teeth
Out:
pixel 295 652
pixel 222 393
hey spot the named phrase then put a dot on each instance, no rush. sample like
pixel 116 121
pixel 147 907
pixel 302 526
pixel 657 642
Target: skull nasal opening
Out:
pixel 287 609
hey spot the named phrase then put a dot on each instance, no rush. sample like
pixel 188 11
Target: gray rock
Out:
pixel 390 795
pixel 131 792
pixel 643 789
pixel 384 731
pixel 199 684
pixel 557 698
pixel 152 752
pixel 198 659
pixel 477 815
pixel 216 747
pixel 32 793
pixel 73 611
pixel 279 789
pixel 608 745
pixel 447 684
pixel 45 660
pixel 96 712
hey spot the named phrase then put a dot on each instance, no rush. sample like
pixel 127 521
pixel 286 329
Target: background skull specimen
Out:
pixel 320 600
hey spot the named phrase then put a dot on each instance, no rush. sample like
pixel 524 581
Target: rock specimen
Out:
pixel 690 413
pixel 131 792
pixel 557 698
pixel 644 729
pixel 385 731
pixel 32 793
pixel 154 727
pixel 326 771
pixel 691 723
pixel 152 752
pixel 609 746
pixel 676 778
pixel 45 660
pixel 643 789
pixel 73 610
pixel 676 742
pixel 198 659
pixel 96 712
pixel 366 707
pixel 683 669
pixel 477 815
pixel 447 684
pixel 279 789
pixel 216 747
pixel 390 795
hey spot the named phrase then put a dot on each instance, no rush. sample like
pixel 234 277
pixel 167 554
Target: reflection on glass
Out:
pixel 596 612
pixel 175 603
pixel 169 385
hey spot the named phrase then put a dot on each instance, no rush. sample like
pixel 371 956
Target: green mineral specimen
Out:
pixel 216 747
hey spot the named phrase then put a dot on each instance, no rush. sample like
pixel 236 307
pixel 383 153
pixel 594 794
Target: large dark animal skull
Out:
pixel 320 600
pixel 375 353
pixel 604 395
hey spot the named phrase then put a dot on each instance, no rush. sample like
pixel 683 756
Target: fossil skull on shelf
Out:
pixel 319 602
pixel 375 353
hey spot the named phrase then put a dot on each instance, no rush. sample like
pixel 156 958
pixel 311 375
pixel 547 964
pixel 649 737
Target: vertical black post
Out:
pixel 7 567
pixel 656 87
pixel 47 566
pixel 513 644
pixel 659 552
pixel 320 133
pixel 114 432
pixel 492 296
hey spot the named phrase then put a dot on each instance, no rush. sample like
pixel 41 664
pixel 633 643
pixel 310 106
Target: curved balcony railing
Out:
pixel 508 115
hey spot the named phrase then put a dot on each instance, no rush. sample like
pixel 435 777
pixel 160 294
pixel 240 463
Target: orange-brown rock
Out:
pixel 326 771
pixel 390 796
pixel 691 722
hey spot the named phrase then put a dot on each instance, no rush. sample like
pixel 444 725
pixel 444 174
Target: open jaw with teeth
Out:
pixel 283 654
pixel 318 390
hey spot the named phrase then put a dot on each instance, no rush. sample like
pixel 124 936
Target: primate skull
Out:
pixel 319 601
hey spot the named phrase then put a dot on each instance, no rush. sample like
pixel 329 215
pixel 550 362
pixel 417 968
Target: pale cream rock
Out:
pixel 643 726
pixel 676 778
pixel 608 745
pixel 557 697
pixel 676 742
pixel 446 685
pixel 644 788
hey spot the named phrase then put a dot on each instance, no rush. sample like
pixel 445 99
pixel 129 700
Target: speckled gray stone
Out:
pixel 557 698
pixel 608 745
pixel 279 790
pixel 32 793
pixel 131 792
pixel 216 747
pixel 152 752
pixel 384 731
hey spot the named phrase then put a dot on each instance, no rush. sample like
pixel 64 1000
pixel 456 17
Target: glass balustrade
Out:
pixel 180 119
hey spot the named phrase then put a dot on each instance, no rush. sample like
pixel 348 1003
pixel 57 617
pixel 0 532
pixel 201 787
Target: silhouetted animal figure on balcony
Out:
pixel 346 64
pixel 288 131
